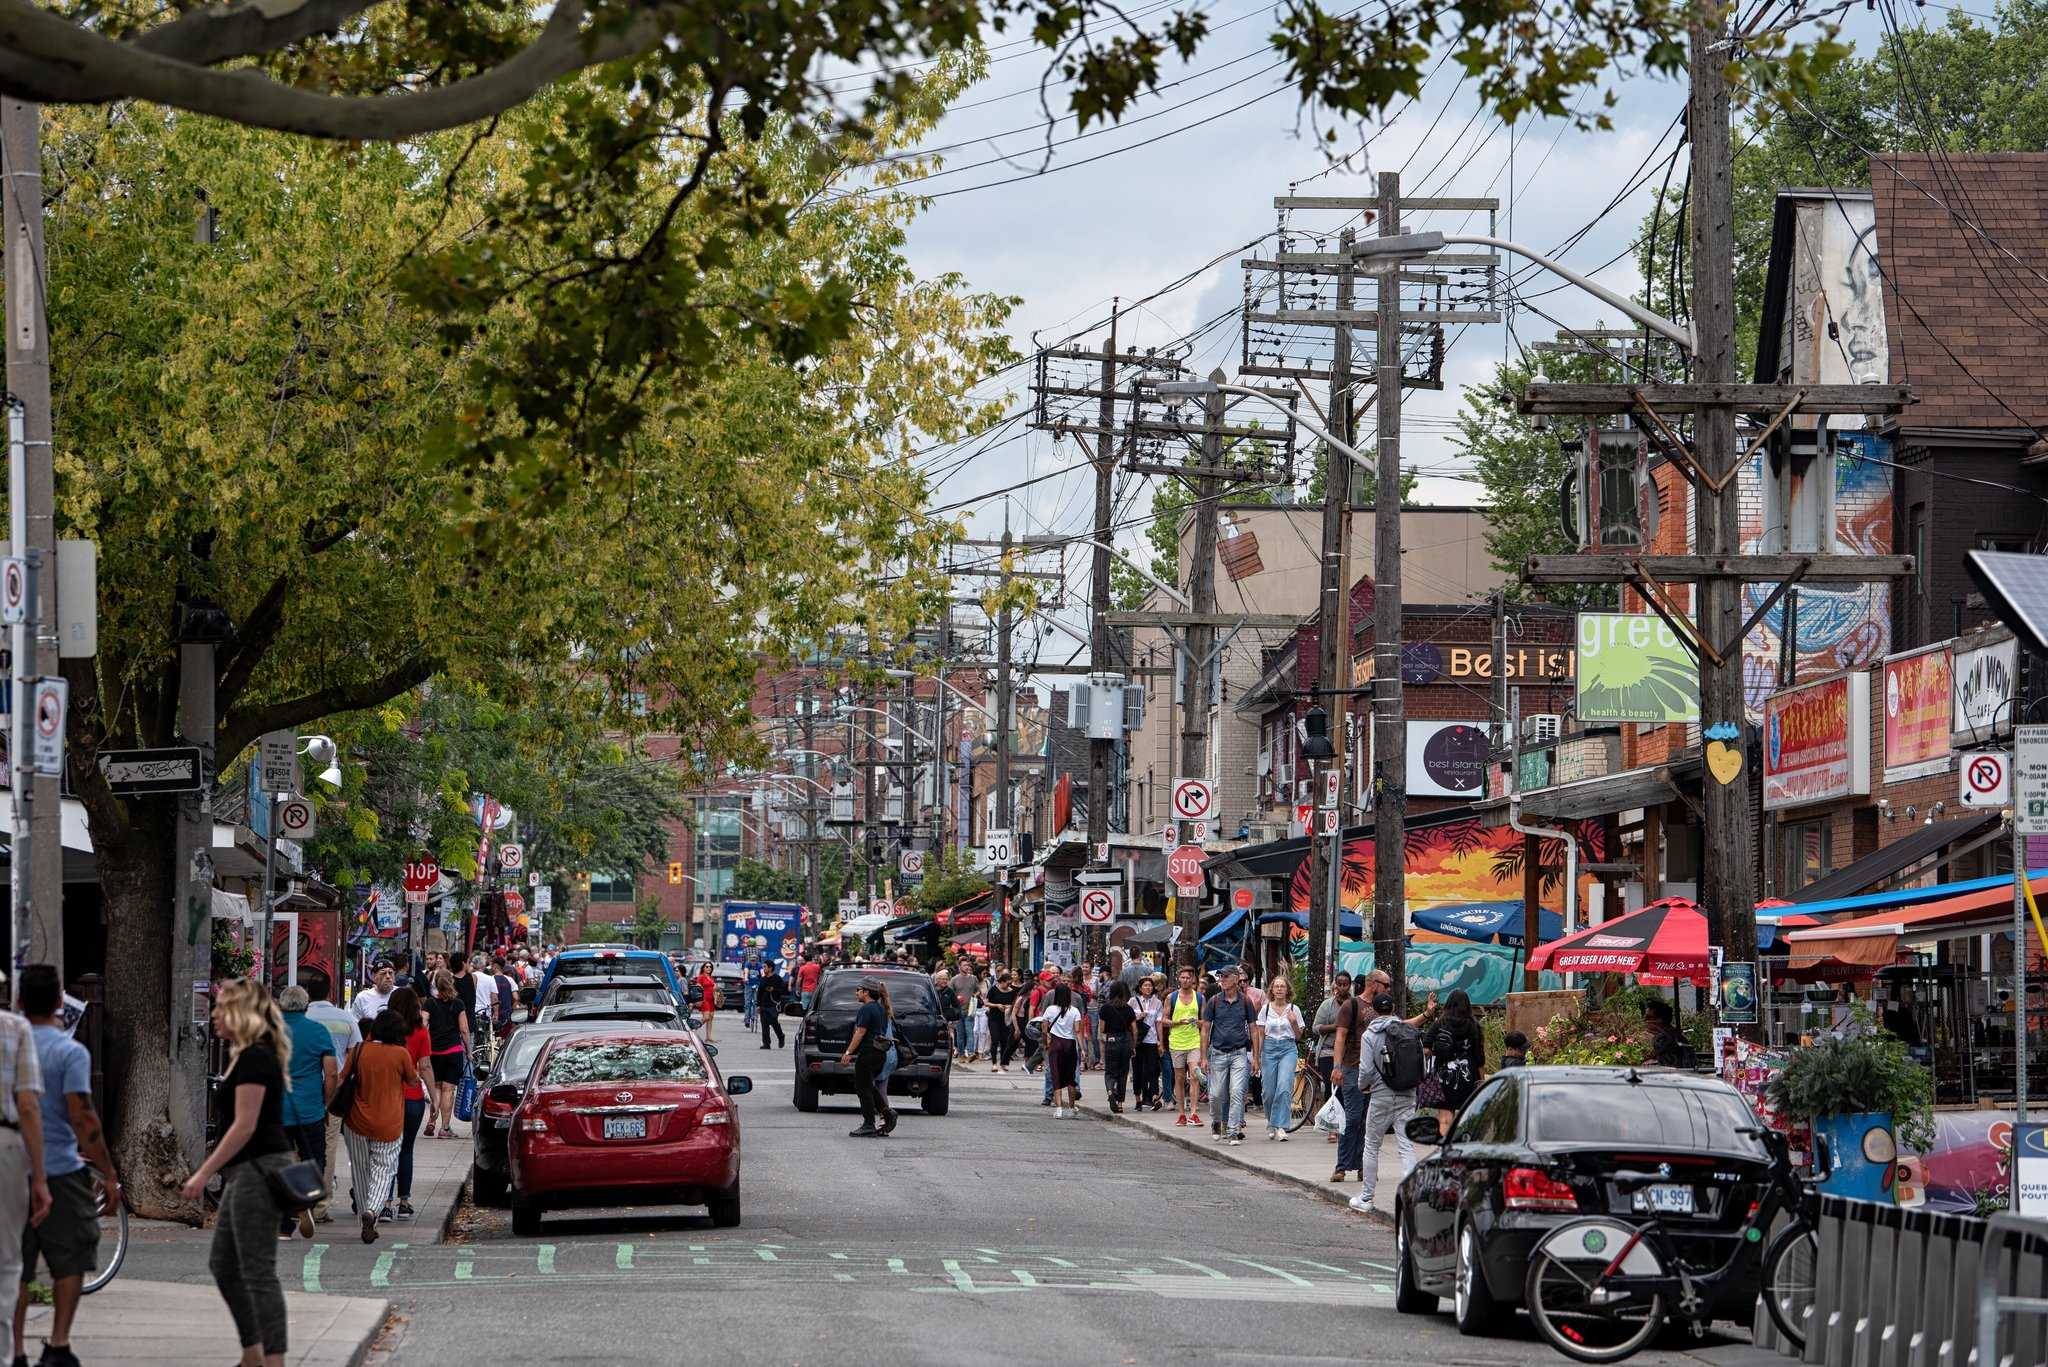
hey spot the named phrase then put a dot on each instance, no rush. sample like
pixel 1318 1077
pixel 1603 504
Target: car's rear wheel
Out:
pixel 486 1188
pixel 525 1217
pixel 805 1092
pixel 1478 1314
pixel 1409 1299
pixel 939 1099
pixel 725 1209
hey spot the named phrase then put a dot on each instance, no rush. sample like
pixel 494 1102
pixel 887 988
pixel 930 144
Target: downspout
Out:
pixel 1571 870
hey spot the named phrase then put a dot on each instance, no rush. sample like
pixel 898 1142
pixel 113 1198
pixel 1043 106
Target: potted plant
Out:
pixel 1866 1099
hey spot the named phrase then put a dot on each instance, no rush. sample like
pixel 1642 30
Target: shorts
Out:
pixel 448 1067
pixel 68 1239
pixel 1186 1058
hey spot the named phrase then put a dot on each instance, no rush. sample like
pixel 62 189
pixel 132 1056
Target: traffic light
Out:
pixel 675 871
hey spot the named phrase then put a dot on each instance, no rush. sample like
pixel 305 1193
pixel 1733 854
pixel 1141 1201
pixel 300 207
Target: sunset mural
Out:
pixel 1459 862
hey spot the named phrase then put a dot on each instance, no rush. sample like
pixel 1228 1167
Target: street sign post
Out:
pixel 1098 906
pixel 1330 777
pixel 1169 836
pixel 278 761
pixel 910 863
pixel 295 818
pixel 1184 868
pixel 1099 878
pixel 1329 821
pixel 996 850
pixel 13 590
pixel 882 906
pixel 2030 780
pixel 1194 799
pixel 511 858
pixel 138 773
pixel 2029 817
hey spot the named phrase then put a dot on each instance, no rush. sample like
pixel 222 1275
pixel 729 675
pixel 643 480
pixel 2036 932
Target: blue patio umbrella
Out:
pixel 1485 922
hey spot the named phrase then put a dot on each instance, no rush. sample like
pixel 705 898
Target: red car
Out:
pixel 639 1118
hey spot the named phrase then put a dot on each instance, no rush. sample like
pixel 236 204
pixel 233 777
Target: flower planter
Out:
pixel 1861 1154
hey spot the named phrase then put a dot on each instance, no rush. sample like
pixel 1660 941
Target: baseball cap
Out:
pixel 1384 1003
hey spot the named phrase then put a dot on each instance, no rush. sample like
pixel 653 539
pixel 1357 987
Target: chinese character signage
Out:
pixel 1917 690
pixel 1817 742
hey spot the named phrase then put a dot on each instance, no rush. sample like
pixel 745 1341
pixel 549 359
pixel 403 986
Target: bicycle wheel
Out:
pixel 1575 1310
pixel 1308 1097
pixel 113 1238
pixel 1791 1274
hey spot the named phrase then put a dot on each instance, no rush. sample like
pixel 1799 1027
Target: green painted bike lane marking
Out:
pixel 310 1270
pixel 380 1275
pixel 624 1257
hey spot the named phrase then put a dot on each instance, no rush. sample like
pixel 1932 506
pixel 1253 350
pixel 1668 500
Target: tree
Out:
pixel 1521 466
pixel 649 923
pixel 950 878
pixel 250 424
pixel 754 881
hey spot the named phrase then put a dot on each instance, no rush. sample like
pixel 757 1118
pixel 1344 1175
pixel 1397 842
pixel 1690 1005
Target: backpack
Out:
pixel 1400 1062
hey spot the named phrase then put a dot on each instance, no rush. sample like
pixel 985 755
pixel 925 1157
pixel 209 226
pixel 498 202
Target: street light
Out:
pixel 941 682
pixel 1203 389
pixel 1421 244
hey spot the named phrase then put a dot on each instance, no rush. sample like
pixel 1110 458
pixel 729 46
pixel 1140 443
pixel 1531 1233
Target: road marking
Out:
pixel 544 1260
pixel 312 1267
pixel 380 1275
pixel 896 1266
pixel 1025 1277
pixel 767 1255
pixel 1057 1262
pixel 840 1257
pixel 625 1256
pixel 1325 1267
pixel 465 1265
pixel 1283 1276
pixel 1209 1272
pixel 842 1276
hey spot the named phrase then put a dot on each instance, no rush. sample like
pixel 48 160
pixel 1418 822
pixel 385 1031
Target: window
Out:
pixel 1806 857
pixel 1918 587
pixel 626 1063
pixel 1707 1119
pixel 605 887
pixel 717 847
pixel 1492 1116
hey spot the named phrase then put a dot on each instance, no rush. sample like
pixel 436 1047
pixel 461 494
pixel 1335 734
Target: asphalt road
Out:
pixel 995 1235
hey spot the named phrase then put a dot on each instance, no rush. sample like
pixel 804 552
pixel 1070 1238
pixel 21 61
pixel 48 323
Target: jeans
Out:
pixel 1386 1109
pixel 1276 1067
pixel 244 1255
pixel 888 1069
pixel 963 1034
pixel 1116 1066
pixel 1352 1141
pixel 1230 1074
pixel 751 999
pixel 805 998
pixel 415 1112
pixel 1165 1093
pixel 1094 1045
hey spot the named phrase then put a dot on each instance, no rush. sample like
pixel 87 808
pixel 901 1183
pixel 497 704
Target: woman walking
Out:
pixel 1061 1021
pixel 707 999
pixel 1145 1060
pixel 981 1037
pixel 872 1050
pixel 1184 1042
pixel 448 1041
pixel 405 1004
pixel 1277 1037
pixel 1002 1012
pixel 1119 1042
pixel 374 1124
pixel 1459 1048
pixel 249 1112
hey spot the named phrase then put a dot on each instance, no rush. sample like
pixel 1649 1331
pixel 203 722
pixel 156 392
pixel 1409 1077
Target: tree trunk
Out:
pixel 135 881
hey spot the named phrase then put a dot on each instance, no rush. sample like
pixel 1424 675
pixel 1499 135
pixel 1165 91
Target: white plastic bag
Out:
pixel 1330 1119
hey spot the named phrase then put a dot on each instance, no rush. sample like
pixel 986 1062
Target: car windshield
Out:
pixel 619 1061
pixel 1618 1112
pixel 598 1008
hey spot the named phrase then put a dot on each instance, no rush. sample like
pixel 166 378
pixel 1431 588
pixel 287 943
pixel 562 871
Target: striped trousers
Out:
pixel 373 1169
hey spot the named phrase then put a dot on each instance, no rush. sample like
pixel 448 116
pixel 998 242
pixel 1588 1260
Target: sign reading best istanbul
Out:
pixel 1817 742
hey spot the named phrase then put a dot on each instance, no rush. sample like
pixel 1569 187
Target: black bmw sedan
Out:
pixel 1535 1147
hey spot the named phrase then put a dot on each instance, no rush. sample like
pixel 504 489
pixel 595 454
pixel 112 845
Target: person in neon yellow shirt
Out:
pixel 1184 1043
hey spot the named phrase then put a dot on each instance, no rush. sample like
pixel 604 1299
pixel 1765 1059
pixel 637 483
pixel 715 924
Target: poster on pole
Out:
pixel 1735 1001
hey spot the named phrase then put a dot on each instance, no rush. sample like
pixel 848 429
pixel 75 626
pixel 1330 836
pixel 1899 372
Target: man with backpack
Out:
pixel 1227 1021
pixel 1391 1064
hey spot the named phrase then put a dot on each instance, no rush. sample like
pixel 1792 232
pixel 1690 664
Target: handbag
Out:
pixel 465 1097
pixel 344 1099
pixel 297 1186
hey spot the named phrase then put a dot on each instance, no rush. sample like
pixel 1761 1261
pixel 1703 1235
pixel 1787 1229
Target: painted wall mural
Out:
pixel 1485 973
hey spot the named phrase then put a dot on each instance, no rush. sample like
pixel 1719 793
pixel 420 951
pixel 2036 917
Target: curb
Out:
pixel 1331 1192
pixel 454 1209
pixel 369 1343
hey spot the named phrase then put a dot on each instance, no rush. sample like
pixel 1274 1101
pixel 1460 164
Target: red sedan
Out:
pixel 640 1118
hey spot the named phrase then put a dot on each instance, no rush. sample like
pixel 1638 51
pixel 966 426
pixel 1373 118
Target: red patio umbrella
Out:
pixel 1667 937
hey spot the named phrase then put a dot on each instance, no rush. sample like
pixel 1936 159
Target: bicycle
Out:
pixel 1310 1092
pixel 113 1237
pixel 1600 1288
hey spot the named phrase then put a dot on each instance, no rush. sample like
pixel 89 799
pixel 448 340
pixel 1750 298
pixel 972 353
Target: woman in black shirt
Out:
pixel 249 1111
pixel 1002 1036
pixel 447 1040
pixel 1119 1041
pixel 1459 1048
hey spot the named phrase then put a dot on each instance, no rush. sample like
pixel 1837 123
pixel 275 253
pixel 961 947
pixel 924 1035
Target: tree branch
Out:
pixel 239 730
pixel 219 33
pixel 252 643
pixel 49 58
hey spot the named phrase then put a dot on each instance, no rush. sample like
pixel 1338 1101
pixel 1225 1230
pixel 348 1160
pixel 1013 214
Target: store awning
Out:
pixel 1224 926
pixel 1875 939
pixel 971 911
pixel 1159 934
pixel 866 923
pixel 1881 866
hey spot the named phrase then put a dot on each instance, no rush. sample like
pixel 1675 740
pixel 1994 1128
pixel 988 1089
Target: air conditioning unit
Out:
pixel 1541 728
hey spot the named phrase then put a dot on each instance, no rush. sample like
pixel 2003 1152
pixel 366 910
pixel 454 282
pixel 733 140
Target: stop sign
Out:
pixel 421 874
pixel 1184 867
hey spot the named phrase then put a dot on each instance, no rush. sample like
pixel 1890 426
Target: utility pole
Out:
pixel 1497 741
pixel 1099 652
pixel 1197 661
pixel 28 380
pixel 867 803
pixel 1389 729
pixel 811 870
pixel 1005 703
pixel 1333 655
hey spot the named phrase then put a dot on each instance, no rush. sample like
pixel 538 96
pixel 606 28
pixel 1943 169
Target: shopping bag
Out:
pixel 1330 1119
pixel 465 1098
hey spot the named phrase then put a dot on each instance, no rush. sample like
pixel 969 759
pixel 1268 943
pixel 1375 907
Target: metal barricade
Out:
pixel 2011 1303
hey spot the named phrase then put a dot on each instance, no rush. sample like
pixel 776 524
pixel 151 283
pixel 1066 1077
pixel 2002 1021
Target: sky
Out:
pixel 1190 177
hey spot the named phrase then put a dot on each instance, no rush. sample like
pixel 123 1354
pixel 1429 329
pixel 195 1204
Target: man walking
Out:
pixel 1136 966
pixel 807 975
pixel 1392 1059
pixel 315 1072
pixel 966 987
pixel 1347 1043
pixel 374 998
pixel 68 1237
pixel 1227 1021
pixel 774 992
pixel 750 986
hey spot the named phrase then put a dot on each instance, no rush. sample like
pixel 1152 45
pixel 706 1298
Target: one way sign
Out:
pixel 138 773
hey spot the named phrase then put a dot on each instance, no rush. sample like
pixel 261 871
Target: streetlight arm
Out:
pixel 913 674
pixel 1656 323
pixel 1154 580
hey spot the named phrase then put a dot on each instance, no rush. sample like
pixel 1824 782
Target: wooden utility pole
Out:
pixel 812 873
pixel 1198 663
pixel 1389 729
pixel 1333 655
pixel 1099 650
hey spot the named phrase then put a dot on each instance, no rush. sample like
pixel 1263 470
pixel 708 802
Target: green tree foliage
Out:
pixel 1521 465
pixel 754 881
pixel 649 922
pixel 950 878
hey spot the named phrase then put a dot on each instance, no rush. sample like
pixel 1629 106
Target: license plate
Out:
pixel 635 1127
pixel 1666 1198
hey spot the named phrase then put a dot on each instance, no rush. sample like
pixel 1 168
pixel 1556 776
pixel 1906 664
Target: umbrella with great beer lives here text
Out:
pixel 1668 937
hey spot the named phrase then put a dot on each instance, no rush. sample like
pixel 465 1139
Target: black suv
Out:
pixel 924 1039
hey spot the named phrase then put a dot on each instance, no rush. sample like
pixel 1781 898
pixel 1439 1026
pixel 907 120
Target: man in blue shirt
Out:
pixel 313 1078
pixel 751 975
pixel 68 1239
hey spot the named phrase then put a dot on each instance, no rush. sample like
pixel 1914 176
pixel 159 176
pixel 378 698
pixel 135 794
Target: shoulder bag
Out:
pixel 297 1186
pixel 344 1099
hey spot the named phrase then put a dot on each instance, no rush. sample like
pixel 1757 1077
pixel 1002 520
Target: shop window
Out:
pixel 1806 856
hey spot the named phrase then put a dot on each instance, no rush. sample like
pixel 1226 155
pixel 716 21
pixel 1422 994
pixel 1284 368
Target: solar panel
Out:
pixel 2016 588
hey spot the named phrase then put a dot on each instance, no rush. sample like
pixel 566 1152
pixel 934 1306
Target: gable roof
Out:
pixel 1964 248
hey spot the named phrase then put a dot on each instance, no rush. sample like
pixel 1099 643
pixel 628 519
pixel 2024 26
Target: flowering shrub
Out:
pixel 1591 1037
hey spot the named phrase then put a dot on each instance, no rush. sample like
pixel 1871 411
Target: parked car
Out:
pixel 621 1117
pixel 604 961
pixel 1535 1147
pixel 502 1086
pixel 924 1039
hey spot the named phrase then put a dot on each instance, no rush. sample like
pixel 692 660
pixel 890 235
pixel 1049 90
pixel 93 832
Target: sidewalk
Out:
pixel 171 1323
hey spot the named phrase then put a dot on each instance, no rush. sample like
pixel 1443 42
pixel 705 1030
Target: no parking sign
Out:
pixel 1986 778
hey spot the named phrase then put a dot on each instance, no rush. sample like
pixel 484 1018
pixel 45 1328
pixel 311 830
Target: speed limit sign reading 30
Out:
pixel 1986 778
pixel 1098 906
pixel 1193 799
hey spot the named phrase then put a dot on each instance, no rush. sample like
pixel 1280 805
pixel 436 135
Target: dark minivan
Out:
pixel 923 1036
pixel 1536 1147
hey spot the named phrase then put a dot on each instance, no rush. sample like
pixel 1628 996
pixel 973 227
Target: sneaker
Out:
pixel 369 1229
pixel 1337 1176
pixel 1235 1140
pixel 1280 1135
pixel 53 1356
pixel 1180 1121
pixel 305 1227
pixel 405 1210
pixel 1361 1203
pixel 386 1215
pixel 864 1132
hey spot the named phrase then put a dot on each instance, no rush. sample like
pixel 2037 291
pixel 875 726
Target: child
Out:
pixel 1514 1050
